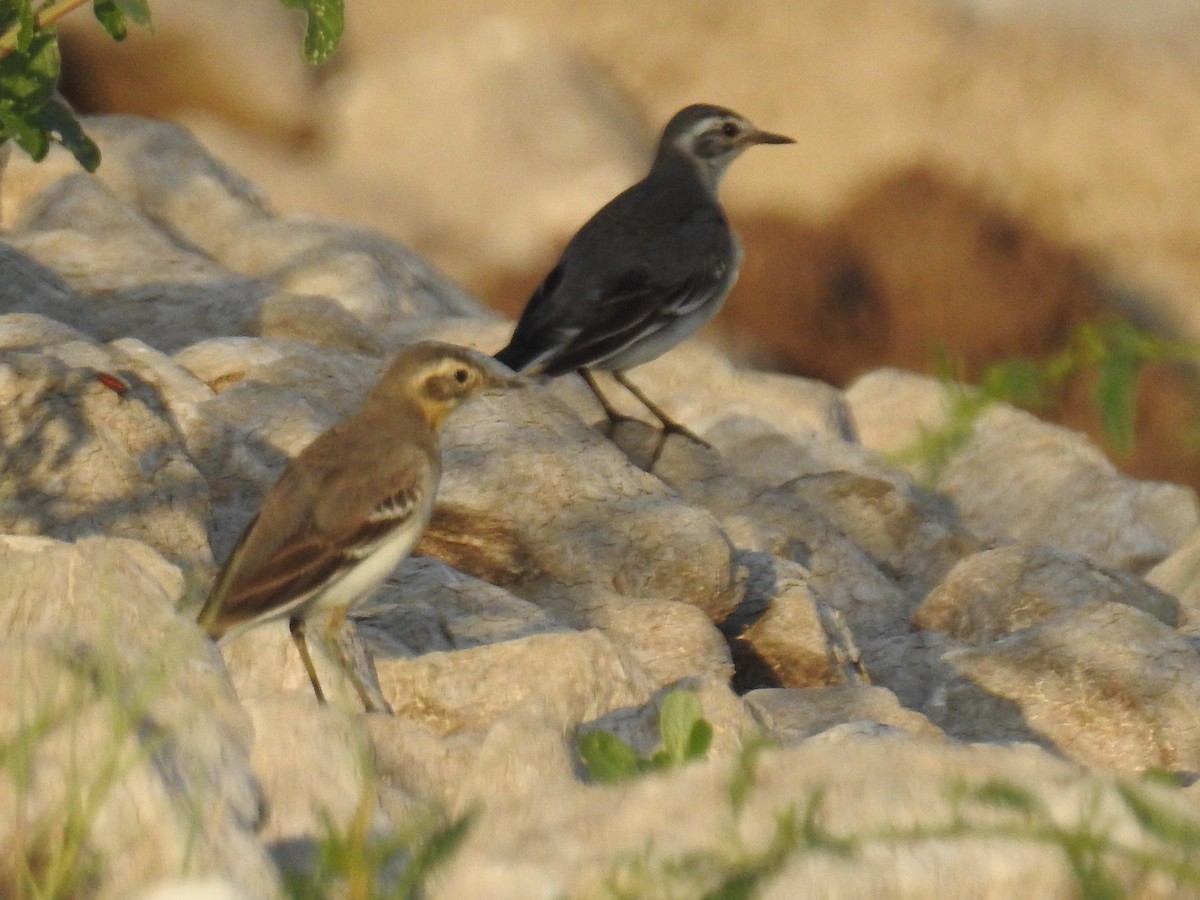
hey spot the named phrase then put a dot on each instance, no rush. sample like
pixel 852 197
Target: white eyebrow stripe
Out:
pixel 688 138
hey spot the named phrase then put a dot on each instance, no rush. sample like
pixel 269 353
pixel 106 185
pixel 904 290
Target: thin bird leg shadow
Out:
pixel 342 639
pixel 296 626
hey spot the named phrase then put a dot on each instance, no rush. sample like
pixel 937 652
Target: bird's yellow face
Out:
pixel 440 376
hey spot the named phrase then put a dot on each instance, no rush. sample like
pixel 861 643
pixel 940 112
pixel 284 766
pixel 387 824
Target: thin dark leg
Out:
pixel 296 625
pixel 609 410
pixel 669 425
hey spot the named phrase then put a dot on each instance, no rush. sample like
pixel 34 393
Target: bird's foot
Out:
pixel 670 427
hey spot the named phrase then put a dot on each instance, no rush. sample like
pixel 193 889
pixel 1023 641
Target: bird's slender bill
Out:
pixel 767 137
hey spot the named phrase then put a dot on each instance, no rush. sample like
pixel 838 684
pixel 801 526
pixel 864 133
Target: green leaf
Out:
pixel 1116 399
pixel 27 80
pixel 324 30
pixel 61 123
pixel 699 740
pixel 1005 795
pixel 111 18
pixel 1017 381
pixel 136 11
pixel 745 772
pixel 608 758
pixel 28 21
pixel 435 852
pixel 115 15
pixel 678 714
pixel 32 139
pixel 1164 824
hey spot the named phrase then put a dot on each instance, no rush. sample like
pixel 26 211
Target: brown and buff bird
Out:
pixel 351 506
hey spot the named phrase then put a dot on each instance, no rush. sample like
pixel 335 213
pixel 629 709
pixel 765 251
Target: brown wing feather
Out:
pixel 330 507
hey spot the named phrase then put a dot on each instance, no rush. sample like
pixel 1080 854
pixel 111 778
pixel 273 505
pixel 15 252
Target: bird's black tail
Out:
pixel 514 356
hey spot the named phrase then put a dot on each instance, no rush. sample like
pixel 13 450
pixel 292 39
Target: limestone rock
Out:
pixel 783 625
pixel 1107 685
pixel 124 707
pixel 992 594
pixel 913 536
pixel 631 835
pixel 313 765
pixel 78 457
pixel 790 716
pixel 573 677
pixel 1179 575
pixel 1043 485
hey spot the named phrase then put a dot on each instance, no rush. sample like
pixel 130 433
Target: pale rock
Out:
pixel 104 247
pixel 313 763
pixel 212 888
pixel 992 594
pixel 574 677
pixel 592 521
pixel 632 837
pixel 782 624
pixel 27 286
pixel 775 525
pixel 97 648
pixel 316 320
pixel 426 606
pixel 372 278
pixel 1179 575
pixel 669 639
pixel 1107 685
pixel 79 458
pixel 525 753
pixel 913 536
pixel 911 664
pixel 421 768
pixel 790 716
pixel 1044 484
pixel 155 167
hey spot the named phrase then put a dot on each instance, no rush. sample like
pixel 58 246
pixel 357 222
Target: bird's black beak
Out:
pixel 766 137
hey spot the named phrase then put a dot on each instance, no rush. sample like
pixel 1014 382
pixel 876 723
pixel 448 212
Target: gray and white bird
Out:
pixel 351 506
pixel 647 270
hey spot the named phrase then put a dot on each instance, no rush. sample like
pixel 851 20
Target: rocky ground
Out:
pixel 939 656
pixel 975 178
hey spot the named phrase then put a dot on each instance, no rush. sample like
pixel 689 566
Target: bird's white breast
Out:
pixel 360 581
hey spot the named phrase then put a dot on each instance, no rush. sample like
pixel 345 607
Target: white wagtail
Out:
pixel 350 506
pixel 647 270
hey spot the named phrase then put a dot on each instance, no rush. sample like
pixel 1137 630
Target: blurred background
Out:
pixel 974 180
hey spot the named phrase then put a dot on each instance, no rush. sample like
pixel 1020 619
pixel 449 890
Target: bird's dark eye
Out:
pixel 729 129
pixel 461 375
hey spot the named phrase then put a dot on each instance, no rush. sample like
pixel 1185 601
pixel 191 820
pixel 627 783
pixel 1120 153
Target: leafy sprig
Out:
pixel 30 64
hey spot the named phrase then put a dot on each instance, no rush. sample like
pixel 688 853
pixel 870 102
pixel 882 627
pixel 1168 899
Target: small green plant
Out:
pixel 685 736
pixel 47 854
pixel 1113 354
pixel 356 864
pixel 30 64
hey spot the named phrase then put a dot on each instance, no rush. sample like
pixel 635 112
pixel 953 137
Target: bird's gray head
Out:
pixel 436 377
pixel 710 138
